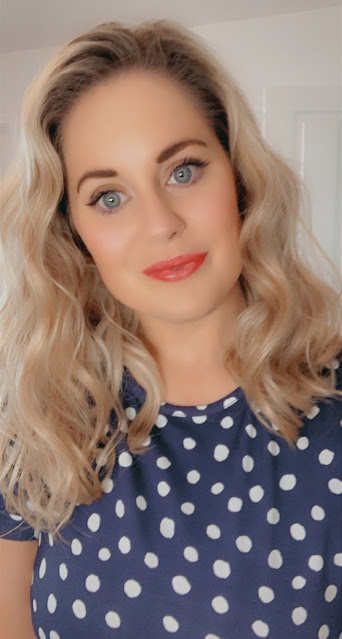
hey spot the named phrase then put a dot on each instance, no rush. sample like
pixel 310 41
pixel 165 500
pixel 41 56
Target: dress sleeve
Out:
pixel 14 527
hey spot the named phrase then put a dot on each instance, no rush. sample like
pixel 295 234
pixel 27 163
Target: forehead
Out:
pixel 133 101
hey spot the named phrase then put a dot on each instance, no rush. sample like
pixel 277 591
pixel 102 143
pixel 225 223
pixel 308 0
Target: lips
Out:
pixel 176 268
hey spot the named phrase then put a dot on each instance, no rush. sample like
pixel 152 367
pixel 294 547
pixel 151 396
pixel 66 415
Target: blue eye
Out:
pixel 111 201
pixel 184 173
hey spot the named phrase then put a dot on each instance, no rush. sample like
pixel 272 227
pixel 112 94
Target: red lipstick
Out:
pixel 176 269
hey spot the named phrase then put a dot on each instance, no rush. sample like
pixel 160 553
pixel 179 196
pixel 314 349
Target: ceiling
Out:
pixel 31 24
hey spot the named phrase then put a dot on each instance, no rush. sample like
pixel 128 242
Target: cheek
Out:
pixel 216 212
pixel 106 244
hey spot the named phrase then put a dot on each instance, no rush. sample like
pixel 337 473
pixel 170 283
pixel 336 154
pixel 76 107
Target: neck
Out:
pixel 190 355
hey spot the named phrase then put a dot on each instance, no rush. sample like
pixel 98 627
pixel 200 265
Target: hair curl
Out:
pixel 65 341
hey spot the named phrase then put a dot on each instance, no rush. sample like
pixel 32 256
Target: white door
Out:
pixel 305 125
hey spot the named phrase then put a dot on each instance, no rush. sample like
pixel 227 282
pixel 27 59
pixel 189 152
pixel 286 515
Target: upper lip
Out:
pixel 180 260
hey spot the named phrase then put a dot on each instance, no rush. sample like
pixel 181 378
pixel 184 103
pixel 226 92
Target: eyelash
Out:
pixel 186 161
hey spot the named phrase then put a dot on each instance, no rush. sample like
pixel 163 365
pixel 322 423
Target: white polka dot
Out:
pixel 79 609
pixel 247 463
pixel 34 605
pixel 41 633
pixel 151 560
pixel 323 632
pixel 273 516
pixel 275 559
pixel 251 430
pixel 229 401
pixel 63 571
pixel 141 502
pixel 42 568
pixel 330 593
pixel 213 531
pixel 227 422
pixel 234 504
pixel 163 488
pixel 335 486
pixel 53 634
pixel 189 443
pixel 163 463
pixel 256 493
pixel 266 594
pixel 221 452
pixel 132 588
pixel 193 476
pixel 326 456
pixel 287 482
pixel 113 619
pixel 313 412
pixel 298 582
pixel 243 543
pixel 167 527
pixel 16 517
pixel 211 636
pixel 191 554
pixel 217 488
pixel 161 421
pixel 316 562
pixel 178 413
pixel 203 407
pixel 170 623
pixel 220 604
pixel 119 508
pixel 302 443
pixel 124 545
pixel 188 508
pixel 338 559
pixel 107 485
pixel 125 459
pixel 298 532
pixel 260 628
pixel 199 419
pixel 92 583
pixel 94 522
pixel 147 441
pixel 50 538
pixel 317 513
pixel 221 569
pixel 181 585
pixel 299 615
pixel 104 554
pixel 130 412
pixel 76 547
pixel 273 448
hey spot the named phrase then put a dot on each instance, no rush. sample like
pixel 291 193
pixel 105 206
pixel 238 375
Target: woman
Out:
pixel 171 387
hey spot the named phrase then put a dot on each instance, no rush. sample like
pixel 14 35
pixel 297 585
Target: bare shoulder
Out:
pixel 16 565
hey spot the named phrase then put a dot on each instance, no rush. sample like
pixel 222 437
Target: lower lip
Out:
pixel 179 273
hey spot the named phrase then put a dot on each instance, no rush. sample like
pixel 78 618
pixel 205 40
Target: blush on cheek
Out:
pixel 106 246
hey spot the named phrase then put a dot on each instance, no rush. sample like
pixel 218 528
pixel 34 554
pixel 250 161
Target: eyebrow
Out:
pixel 162 157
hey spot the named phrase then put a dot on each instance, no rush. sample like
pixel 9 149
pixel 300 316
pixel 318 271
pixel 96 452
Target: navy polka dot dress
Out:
pixel 220 531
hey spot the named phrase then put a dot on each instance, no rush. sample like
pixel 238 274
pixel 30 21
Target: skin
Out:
pixel 123 125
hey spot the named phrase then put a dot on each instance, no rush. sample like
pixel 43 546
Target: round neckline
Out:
pixel 166 408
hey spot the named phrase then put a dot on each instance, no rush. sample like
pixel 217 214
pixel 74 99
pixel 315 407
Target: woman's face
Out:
pixel 158 204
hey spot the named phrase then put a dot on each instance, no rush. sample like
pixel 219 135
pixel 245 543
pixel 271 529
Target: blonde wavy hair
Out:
pixel 65 342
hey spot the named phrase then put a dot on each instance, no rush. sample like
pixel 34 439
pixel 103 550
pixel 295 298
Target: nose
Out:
pixel 161 219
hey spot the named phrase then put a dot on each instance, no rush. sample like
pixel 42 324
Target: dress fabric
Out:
pixel 220 531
